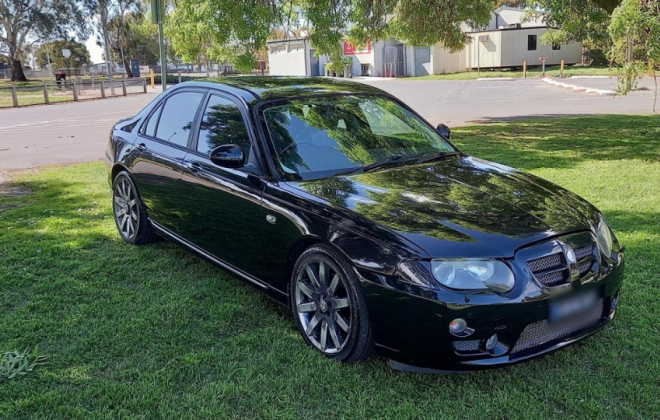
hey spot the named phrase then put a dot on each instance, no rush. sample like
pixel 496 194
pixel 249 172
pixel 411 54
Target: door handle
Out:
pixel 142 147
pixel 192 166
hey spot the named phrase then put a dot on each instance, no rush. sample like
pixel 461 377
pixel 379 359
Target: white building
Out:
pixel 505 42
pixel 292 57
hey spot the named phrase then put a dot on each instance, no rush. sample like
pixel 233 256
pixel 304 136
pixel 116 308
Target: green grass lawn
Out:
pixel 156 332
pixel 531 72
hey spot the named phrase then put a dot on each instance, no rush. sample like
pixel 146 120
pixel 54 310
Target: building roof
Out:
pixel 284 40
pixel 263 88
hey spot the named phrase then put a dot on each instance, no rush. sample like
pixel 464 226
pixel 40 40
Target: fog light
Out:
pixel 457 326
pixel 492 342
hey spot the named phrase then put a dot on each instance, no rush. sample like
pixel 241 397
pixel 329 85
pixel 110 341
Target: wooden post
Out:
pixel 14 95
pixel 74 89
pixel 93 85
pixel 153 78
pixel 102 89
pixel 525 69
pixel 46 99
pixel 561 68
pixel 123 85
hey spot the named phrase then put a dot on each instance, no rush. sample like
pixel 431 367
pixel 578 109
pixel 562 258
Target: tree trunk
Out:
pixel 17 74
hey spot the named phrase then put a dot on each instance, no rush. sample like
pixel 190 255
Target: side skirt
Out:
pixel 277 295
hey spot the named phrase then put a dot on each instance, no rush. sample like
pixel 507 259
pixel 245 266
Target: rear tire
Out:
pixel 329 307
pixel 130 213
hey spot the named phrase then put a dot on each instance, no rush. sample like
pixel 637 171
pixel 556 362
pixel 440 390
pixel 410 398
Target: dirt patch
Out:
pixel 8 189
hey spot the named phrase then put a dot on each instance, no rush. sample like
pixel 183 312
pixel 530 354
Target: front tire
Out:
pixel 329 307
pixel 129 212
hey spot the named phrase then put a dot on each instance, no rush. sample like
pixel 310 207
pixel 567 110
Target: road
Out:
pixel 78 132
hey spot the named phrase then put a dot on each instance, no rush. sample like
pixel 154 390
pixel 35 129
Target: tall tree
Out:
pixel 26 22
pixel 79 54
pixel 236 31
pixel 109 25
pixel 140 41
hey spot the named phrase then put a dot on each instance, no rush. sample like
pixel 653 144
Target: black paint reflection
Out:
pixel 461 201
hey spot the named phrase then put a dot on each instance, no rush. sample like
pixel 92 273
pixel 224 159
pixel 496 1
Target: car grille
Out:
pixel 543 332
pixel 585 251
pixel 551 270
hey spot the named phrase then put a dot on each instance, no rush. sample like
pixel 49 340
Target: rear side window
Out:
pixel 222 124
pixel 151 124
pixel 177 117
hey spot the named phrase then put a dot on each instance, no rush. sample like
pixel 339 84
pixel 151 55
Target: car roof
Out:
pixel 264 88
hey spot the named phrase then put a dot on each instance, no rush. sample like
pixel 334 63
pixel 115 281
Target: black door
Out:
pixel 162 147
pixel 223 215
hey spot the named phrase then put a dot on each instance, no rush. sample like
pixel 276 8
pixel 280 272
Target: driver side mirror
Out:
pixel 228 156
pixel 444 131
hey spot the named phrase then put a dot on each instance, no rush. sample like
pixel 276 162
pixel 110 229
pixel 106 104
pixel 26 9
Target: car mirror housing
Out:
pixel 444 131
pixel 228 156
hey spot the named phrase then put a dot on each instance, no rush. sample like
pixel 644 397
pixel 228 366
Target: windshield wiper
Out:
pixel 435 157
pixel 379 164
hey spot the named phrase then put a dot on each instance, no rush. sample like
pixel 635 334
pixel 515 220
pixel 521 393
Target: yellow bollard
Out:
pixel 153 80
pixel 561 68
pixel 525 69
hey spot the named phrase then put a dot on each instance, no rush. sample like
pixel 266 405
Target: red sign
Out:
pixel 349 49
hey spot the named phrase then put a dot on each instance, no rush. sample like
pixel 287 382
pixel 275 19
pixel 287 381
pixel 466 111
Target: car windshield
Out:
pixel 325 136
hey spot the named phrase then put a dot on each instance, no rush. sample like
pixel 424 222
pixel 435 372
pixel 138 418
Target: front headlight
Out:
pixel 468 274
pixel 604 238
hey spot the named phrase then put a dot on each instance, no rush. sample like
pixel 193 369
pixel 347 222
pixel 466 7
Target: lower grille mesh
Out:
pixel 542 332
pixel 466 345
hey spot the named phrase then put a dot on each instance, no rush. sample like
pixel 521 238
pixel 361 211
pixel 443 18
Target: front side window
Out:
pixel 222 124
pixel 319 137
pixel 177 117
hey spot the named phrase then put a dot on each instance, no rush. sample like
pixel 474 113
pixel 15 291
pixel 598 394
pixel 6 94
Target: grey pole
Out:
pixel 163 58
pixel 144 85
pixel 14 96
pixel 74 90
pixel 102 89
pixel 46 100
pixel 123 85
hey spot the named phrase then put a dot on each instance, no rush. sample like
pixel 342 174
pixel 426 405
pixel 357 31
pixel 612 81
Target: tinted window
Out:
pixel 318 137
pixel 531 42
pixel 177 117
pixel 151 125
pixel 222 124
pixel 556 47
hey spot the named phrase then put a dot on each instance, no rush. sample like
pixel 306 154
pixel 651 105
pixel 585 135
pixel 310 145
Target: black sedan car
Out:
pixel 341 203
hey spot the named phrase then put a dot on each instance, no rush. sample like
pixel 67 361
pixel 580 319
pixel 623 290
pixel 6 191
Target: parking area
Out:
pixel 460 102
pixel 77 132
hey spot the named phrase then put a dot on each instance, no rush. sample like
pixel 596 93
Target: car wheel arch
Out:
pixel 117 169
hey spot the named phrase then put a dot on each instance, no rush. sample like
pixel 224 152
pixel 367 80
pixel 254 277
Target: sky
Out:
pixel 95 52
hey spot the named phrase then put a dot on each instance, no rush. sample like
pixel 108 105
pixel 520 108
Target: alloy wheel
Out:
pixel 125 208
pixel 323 306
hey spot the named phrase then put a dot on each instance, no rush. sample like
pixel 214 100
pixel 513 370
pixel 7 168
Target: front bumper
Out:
pixel 412 330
